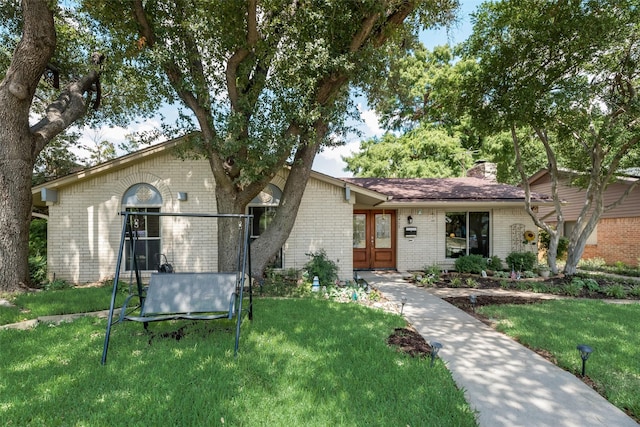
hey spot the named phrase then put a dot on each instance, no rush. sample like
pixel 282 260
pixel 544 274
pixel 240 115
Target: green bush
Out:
pixel 494 263
pixel 320 265
pixel 434 270
pixel 38 237
pixel 37 270
pixel 38 252
pixel 616 291
pixel 470 264
pixel 522 261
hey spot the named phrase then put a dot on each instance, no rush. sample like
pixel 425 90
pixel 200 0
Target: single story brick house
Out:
pixel 617 234
pixel 361 223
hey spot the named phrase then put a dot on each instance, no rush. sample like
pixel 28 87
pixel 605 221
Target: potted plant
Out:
pixel 543 270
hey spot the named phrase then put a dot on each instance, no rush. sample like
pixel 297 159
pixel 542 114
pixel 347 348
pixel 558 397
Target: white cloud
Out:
pixel 330 160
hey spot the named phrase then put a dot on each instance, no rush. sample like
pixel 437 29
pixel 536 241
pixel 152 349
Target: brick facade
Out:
pixel 618 240
pixel 84 227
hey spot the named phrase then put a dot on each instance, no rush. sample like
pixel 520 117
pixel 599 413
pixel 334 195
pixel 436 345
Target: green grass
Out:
pixel 65 301
pixel 307 362
pixel 559 326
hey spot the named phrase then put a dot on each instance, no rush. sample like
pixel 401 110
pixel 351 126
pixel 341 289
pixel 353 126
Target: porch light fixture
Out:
pixel 435 348
pixel 585 352
pixel 403 301
pixel 473 299
pixel 410 219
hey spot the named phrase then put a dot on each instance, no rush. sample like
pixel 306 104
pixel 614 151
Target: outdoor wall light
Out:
pixel 410 219
pixel 435 348
pixel 403 301
pixel 473 299
pixel 585 352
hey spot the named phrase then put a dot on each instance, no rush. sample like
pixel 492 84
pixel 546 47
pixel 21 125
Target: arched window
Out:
pixel 146 229
pixel 263 208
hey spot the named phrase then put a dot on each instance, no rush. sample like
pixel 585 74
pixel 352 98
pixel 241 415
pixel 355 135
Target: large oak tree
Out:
pixel 25 131
pixel 267 83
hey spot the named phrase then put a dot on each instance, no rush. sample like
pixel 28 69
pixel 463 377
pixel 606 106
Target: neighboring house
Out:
pixel 401 224
pixel 617 234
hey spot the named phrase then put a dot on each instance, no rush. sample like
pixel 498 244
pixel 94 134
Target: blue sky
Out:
pixel 330 161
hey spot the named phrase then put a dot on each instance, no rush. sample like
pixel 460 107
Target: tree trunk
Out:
pixel 15 194
pixel 20 142
pixel 269 243
pixel 18 148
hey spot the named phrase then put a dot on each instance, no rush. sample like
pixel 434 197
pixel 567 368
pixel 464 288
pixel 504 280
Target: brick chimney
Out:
pixel 483 170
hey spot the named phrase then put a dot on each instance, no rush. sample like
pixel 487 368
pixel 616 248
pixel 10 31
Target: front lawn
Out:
pixel 559 326
pixel 31 305
pixel 307 362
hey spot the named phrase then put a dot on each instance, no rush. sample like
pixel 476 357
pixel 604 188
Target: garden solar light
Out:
pixel 473 299
pixel 435 348
pixel 585 352
pixel 403 301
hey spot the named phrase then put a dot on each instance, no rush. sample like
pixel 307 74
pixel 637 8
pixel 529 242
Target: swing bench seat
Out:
pixel 194 296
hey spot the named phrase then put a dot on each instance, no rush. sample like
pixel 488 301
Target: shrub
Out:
pixel 574 288
pixel 592 263
pixel 635 291
pixel 38 237
pixel 592 285
pixel 37 270
pixel 320 265
pixel 494 263
pixel 522 261
pixel 432 270
pixel 470 264
pixel 616 291
pixel 57 285
pixel 456 282
pixel 504 284
pixel 472 283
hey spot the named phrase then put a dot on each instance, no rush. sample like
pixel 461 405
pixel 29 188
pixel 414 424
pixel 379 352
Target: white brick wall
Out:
pixel 428 248
pixel 85 228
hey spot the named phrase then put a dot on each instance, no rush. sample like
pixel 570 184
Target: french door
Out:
pixel 374 239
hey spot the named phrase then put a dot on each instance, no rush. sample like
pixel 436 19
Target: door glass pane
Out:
pixel 383 231
pixel 479 233
pixel 359 231
pixel 456 234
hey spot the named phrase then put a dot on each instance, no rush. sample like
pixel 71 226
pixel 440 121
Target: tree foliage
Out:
pixel 424 152
pixel 566 75
pixel 266 82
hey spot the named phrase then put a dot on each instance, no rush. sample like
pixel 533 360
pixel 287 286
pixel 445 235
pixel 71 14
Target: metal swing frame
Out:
pixel 214 285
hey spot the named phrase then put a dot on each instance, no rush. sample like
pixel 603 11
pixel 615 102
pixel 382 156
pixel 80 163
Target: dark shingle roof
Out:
pixel 443 189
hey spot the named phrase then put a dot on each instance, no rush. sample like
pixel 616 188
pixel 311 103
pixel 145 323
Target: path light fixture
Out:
pixel 473 299
pixel 435 348
pixel 585 352
pixel 403 301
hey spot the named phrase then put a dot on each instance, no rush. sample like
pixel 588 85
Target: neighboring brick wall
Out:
pixel 428 248
pixel 618 240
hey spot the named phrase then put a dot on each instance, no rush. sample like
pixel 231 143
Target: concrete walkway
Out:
pixel 506 383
